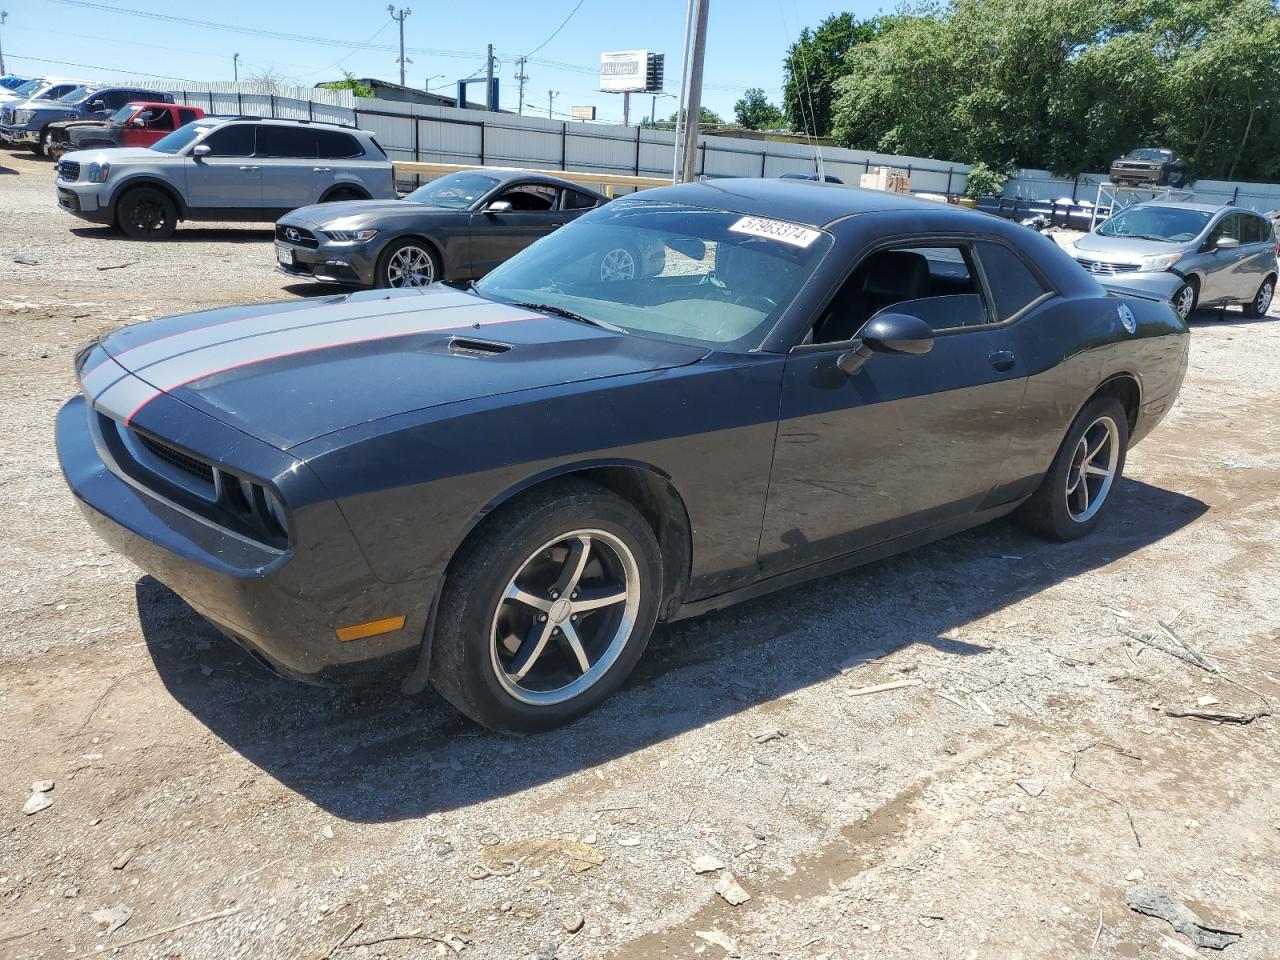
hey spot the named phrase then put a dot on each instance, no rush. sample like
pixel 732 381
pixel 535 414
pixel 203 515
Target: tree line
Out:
pixel 1061 85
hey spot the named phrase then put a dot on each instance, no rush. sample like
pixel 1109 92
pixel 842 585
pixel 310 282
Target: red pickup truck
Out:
pixel 133 125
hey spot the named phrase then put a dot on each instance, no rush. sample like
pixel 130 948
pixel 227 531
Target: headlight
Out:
pixel 1159 262
pixel 258 503
pixel 350 236
pixel 98 172
pixel 22 116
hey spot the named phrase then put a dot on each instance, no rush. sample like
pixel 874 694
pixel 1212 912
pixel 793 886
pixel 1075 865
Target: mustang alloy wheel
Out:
pixel 407 263
pixel 618 264
pixel 1079 484
pixel 547 607
pixel 1261 302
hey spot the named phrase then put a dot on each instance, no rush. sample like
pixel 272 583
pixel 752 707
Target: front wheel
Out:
pixel 1261 302
pixel 1184 300
pixel 145 213
pixel 408 263
pixel 1082 478
pixel 547 609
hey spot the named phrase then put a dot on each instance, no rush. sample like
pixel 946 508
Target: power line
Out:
pixel 98 66
pixel 556 33
pixel 353 52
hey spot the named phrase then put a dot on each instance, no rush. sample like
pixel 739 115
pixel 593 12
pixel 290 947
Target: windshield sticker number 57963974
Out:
pixel 780 230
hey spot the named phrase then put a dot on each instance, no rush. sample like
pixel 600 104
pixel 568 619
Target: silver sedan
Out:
pixel 1196 254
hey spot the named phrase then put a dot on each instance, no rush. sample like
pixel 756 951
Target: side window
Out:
pixel 1251 232
pixel 157 119
pixel 59 90
pixel 291 142
pixel 575 200
pixel 333 145
pixel 530 197
pixel 186 116
pixel 231 141
pixel 1229 226
pixel 934 283
pixel 1013 285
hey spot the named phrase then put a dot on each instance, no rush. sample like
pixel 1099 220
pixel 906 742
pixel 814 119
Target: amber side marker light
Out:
pixel 373 628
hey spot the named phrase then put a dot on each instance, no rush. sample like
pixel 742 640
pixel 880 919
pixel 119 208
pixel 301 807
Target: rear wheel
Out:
pixel 1184 299
pixel 43 147
pixel 547 609
pixel 1081 480
pixel 408 263
pixel 145 213
pixel 344 194
pixel 618 263
pixel 1261 302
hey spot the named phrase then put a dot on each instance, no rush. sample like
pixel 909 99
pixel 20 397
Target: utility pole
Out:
pixel 235 66
pixel 626 108
pixel 677 154
pixel 488 81
pixel 520 79
pixel 551 99
pixel 404 12
pixel 693 110
pixel 4 15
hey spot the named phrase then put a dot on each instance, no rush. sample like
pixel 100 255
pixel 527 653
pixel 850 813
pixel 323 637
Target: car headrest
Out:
pixel 896 275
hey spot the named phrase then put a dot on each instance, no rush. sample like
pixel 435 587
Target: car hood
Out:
pixel 343 213
pixel 1126 249
pixel 117 155
pixel 289 372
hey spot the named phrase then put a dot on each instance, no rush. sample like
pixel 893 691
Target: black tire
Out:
pixel 1185 299
pixel 1048 511
pixel 1261 302
pixel 387 271
pixel 467 655
pixel 145 213
pixel 41 147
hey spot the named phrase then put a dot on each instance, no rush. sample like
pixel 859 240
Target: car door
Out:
pixel 907 442
pixel 148 126
pixel 498 235
pixel 292 173
pixel 1222 281
pixel 1259 258
pixel 228 176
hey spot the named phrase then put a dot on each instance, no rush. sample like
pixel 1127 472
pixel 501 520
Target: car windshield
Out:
pixel 75 95
pixel 671 271
pixel 11 83
pixel 456 191
pixel 28 88
pixel 123 114
pixel 1172 224
pixel 1149 153
pixel 180 137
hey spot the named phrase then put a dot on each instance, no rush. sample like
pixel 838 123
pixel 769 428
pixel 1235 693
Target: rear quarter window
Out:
pixel 1013 284
pixel 333 145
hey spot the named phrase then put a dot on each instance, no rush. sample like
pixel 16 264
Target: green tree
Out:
pixel 349 82
pixel 706 118
pixel 815 62
pixel 755 112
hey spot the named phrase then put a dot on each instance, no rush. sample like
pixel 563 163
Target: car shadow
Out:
pixel 185 234
pixel 311 289
pixel 1216 316
pixel 374 755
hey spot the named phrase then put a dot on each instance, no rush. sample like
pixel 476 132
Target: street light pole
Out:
pixel 235 66
pixel 404 12
pixel 551 99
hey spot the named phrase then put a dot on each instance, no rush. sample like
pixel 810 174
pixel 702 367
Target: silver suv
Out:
pixel 1195 254
pixel 223 168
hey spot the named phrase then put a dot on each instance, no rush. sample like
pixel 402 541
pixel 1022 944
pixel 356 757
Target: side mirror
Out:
pixel 498 206
pixel 1226 243
pixel 899 333
pixel 200 150
pixel 97 106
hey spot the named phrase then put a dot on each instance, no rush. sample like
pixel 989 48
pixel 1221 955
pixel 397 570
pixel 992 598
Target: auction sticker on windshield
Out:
pixel 790 233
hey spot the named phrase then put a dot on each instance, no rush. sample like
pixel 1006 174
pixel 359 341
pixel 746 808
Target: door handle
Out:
pixel 1002 360
pixel 250 168
pixel 322 169
pixel 556 226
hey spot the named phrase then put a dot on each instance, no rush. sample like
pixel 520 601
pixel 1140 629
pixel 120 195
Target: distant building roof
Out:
pixel 387 90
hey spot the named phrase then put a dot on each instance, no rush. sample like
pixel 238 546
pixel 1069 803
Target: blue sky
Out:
pixel 747 41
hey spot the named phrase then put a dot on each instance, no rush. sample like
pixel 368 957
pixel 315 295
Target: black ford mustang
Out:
pixel 500 491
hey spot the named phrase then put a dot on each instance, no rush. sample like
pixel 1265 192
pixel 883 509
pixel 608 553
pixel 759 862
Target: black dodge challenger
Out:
pixel 500 491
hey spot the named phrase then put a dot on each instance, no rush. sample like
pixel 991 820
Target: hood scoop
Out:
pixel 469 347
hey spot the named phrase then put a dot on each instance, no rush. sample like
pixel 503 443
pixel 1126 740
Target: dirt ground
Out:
pixel 999 806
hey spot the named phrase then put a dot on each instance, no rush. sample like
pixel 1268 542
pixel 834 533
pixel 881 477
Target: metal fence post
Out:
pixel 239 102
pixel 564 145
pixel 950 171
pixel 703 148
pixel 417 140
pixel 638 129
pixel 273 106
pixel 764 160
pixel 483 127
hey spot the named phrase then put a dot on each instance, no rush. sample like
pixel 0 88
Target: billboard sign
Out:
pixel 624 71
pixel 582 113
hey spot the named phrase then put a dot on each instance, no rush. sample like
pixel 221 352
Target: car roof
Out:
pixel 510 174
pixel 278 121
pixel 1202 207
pixel 798 201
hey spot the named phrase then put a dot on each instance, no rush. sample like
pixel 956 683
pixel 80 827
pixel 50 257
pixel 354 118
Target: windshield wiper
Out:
pixel 567 314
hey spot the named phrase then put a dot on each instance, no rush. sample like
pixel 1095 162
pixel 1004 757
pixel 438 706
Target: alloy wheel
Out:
pixel 1185 302
pixel 1093 469
pixel 1262 302
pixel 410 267
pixel 148 216
pixel 618 264
pixel 565 617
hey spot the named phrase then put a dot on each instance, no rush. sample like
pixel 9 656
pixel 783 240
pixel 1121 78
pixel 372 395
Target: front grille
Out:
pixel 68 170
pixel 297 236
pixel 6 115
pixel 177 459
pixel 1106 269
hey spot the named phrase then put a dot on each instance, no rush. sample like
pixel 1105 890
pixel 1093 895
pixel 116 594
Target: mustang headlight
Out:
pixel 1158 262
pixel 98 172
pixel 350 236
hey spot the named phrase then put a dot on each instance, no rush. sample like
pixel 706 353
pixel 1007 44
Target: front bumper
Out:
pixel 1146 285
pixel 83 200
pixel 344 263
pixel 19 135
pixel 283 605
